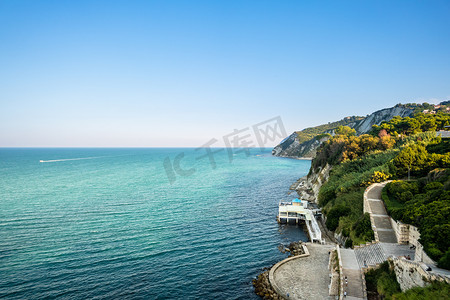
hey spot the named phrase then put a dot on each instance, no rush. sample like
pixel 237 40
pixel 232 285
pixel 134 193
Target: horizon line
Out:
pixel 125 147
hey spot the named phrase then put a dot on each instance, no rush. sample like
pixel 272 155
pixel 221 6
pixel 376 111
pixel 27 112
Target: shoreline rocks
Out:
pixel 263 288
pixel 262 285
pixel 294 248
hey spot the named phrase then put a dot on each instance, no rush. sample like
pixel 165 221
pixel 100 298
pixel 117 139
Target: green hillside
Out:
pixel 391 151
pixel 311 132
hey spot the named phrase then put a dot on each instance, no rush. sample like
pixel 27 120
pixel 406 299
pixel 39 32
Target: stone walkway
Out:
pixel 382 225
pixel 397 250
pixel 306 277
pixel 371 255
pixel 386 234
pixel 309 277
pixel 350 268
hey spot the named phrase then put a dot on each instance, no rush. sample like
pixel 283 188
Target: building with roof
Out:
pixel 299 212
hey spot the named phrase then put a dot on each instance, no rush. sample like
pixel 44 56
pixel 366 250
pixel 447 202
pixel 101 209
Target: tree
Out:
pixel 334 214
pixel 345 130
pixel 413 157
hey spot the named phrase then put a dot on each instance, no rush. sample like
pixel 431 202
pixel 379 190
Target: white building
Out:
pixel 297 212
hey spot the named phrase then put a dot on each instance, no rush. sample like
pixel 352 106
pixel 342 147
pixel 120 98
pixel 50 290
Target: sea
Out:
pixel 141 223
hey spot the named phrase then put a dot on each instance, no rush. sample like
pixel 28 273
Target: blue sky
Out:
pixel 178 73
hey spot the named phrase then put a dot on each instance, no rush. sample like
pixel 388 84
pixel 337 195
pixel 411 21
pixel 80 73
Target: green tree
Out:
pixel 334 214
pixel 345 130
pixel 411 158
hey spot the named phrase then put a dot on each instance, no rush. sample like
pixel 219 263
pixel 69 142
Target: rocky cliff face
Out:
pixel 308 187
pixel 292 147
pixel 365 125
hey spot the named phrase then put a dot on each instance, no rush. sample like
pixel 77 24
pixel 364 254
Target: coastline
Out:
pixel 297 158
pixel 128 190
pixel 313 263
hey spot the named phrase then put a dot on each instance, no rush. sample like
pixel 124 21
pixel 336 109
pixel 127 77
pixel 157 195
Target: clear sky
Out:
pixel 178 73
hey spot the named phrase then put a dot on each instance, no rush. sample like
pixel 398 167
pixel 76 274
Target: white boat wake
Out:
pixel 66 159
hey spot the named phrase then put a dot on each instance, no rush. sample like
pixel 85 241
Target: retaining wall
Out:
pixel 405 233
pixel 277 265
pixel 411 274
pixel 341 274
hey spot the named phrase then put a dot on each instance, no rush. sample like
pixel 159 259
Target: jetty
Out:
pixel 299 212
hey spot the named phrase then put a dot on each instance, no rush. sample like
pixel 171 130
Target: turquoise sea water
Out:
pixel 112 225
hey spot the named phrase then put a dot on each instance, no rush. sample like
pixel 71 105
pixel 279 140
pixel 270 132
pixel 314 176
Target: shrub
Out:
pixel 345 130
pixel 348 243
pixel 345 232
pixel 444 262
pixel 433 252
pixel 363 228
pixel 433 186
pixel 326 193
pixel 402 190
pixel 334 214
pixel 405 196
pixel 379 177
pixel 387 284
pixel 382 281
pixel 436 290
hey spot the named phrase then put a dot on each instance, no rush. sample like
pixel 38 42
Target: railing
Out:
pixel 314 231
pixel 341 274
pixel 313 228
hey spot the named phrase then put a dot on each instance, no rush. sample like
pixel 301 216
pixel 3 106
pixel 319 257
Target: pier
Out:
pixel 298 212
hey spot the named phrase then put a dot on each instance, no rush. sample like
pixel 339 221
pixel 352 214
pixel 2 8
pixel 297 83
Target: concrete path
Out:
pixel 306 277
pixel 382 224
pixel 386 235
pixel 371 255
pixel 397 250
pixel 350 269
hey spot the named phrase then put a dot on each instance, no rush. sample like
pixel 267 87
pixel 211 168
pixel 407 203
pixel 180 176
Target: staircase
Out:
pixel 371 254
pixel 313 228
pixel 351 270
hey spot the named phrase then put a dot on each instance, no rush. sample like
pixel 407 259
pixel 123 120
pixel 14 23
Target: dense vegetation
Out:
pixel 419 123
pixel 424 203
pixel 396 149
pixel 320 131
pixel 382 284
pixel 341 196
pixel 436 290
pixel 345 146
pixel 312 132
